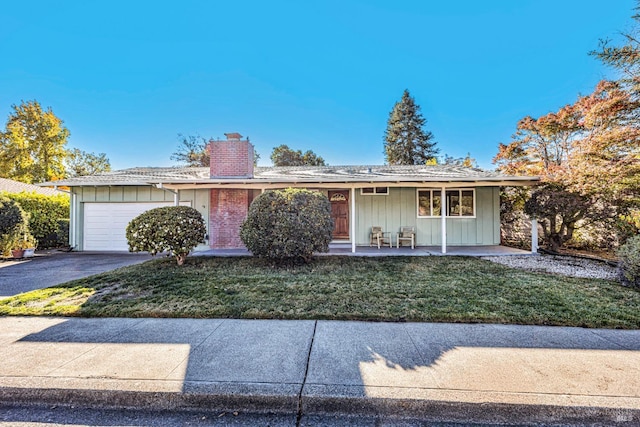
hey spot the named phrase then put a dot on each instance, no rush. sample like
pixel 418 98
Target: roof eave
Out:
pixel 299 181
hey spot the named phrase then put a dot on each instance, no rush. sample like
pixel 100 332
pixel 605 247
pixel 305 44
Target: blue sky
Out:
pixel 128 76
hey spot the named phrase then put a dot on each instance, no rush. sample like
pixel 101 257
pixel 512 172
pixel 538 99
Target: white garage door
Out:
pixel 105 224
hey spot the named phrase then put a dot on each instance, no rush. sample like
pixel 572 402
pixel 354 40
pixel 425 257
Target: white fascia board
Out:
pixel 346 184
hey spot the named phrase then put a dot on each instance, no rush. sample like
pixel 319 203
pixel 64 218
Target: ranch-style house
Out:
pixel 446 205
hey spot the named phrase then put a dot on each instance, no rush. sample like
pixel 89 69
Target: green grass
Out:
pixel 433 289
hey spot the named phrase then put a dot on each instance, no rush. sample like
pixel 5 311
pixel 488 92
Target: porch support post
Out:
pixel 534 236
pixel 353 220
pixel 443 220
pixel 176 199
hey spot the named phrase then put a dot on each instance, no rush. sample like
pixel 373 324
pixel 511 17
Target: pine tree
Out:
pixel 405 140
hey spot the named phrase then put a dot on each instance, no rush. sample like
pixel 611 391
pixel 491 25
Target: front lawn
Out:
pixel 430 289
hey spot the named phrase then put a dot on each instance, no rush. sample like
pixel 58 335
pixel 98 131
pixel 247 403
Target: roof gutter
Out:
pixel 176 198
pixel 55 187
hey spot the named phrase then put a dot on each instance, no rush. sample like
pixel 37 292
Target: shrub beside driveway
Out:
pixel 430 289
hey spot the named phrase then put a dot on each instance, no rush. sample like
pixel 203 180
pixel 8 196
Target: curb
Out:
pixel 462 412
pixel 137 400
pixel 285 399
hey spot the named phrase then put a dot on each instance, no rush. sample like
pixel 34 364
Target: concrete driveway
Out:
pixel 53 268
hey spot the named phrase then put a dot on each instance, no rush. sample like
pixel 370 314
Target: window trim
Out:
pixel 446 208
pixel 375 192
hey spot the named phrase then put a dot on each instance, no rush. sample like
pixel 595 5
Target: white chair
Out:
pixel 379 237
pixel 408 235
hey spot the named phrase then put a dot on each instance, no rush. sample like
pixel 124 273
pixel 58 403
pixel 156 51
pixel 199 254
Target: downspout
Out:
pixel 176 199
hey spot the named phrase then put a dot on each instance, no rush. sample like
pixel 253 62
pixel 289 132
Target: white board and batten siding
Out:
pixel 399 208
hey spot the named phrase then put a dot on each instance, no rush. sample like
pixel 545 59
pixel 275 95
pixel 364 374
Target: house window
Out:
pixel 428 203
pixel 374 191
pixel 459 203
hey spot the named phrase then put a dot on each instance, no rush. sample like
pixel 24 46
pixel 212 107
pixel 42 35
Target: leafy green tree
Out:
pixel 405 140
pixel 81 163
pixel 282 155
pixel 32 146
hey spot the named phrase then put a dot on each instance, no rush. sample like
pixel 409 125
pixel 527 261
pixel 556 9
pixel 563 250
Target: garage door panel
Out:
pixel 105 224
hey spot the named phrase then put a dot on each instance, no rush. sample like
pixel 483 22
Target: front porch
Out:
pixel 366 251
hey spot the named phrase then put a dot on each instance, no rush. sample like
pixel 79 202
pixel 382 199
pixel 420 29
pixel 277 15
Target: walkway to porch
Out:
pixel 345 249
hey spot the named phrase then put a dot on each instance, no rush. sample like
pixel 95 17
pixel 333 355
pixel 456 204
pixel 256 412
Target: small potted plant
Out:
pixel 28 244
pixel 10 244
pixel 17 251
pixel 21 245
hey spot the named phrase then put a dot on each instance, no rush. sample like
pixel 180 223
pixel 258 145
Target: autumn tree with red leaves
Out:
pixel 587 153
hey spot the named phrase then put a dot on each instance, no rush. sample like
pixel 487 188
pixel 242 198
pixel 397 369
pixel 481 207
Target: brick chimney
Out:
pixel 232 158
pixel 228 207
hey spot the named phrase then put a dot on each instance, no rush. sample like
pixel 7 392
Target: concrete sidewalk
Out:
pixel 433 372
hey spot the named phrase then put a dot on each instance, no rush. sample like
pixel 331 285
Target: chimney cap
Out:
pixel 233 136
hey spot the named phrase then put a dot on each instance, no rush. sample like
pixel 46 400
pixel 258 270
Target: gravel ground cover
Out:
pixel 558 264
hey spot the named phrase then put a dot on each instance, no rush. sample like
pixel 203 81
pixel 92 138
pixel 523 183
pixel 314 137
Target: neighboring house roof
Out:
pixel 11 186
pixel 183 176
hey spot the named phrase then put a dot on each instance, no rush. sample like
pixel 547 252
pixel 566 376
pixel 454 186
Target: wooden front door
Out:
pixel 340 213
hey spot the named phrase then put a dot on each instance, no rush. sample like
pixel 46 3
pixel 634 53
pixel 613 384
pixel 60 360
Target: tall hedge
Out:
pixel 45 214
pixel 13 224
pixel 288 224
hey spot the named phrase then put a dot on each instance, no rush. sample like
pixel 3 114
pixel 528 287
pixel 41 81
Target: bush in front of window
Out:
pixel 629 262
pixel 288 225
pixel 175 229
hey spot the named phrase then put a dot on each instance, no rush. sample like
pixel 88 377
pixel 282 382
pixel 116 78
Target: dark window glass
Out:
pixel 424 203
pixel 467 203
pixel 453 202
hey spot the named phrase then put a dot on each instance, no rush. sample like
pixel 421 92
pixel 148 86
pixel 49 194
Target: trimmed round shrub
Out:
pixel 175 229
pixel 629 262
pixel 288 224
